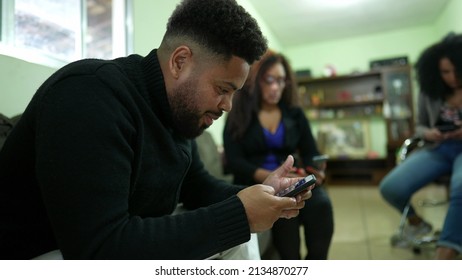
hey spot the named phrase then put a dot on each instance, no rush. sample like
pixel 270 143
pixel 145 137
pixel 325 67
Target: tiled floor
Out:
pixel 364 223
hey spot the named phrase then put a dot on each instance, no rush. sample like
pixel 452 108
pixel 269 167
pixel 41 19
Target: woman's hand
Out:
pixel 280 179
pixel 434 135
pixel 263 207
pixel 320 174
pixel 456 134
pixel 297 172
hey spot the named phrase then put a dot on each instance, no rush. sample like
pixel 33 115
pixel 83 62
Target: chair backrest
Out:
pixel 6 125
pixel 211 156
pixel 409 145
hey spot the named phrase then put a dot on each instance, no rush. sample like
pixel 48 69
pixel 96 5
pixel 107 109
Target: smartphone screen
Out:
pixel 298 187
pixel 320 158
pixel 447 127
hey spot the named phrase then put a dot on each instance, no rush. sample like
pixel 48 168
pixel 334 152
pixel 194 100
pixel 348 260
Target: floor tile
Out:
pixel 365 223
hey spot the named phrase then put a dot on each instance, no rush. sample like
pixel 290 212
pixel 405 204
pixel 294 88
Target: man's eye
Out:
pixel 223 90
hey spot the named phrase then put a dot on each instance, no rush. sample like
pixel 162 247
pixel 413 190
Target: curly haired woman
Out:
pixel 439 73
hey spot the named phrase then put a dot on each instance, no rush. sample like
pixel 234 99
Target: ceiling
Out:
pixel 298 22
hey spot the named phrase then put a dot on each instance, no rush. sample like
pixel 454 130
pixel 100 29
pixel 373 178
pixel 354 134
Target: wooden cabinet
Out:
pixel 360 120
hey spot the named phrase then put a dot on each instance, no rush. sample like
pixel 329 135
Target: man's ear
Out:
pixel 180 57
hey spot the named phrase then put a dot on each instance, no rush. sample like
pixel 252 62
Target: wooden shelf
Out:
pixel 356 171
pixel 348 105
pixel 340 78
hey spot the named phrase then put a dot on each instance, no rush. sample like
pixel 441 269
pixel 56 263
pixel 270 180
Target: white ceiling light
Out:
pixel 337 3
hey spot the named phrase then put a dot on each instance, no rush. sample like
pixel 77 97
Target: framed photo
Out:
pixel 344 138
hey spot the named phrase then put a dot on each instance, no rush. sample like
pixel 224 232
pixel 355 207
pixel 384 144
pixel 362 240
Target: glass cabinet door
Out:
pixel 397 107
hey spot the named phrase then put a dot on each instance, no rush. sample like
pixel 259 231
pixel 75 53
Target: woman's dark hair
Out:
pixel 427 67
pixel 247 102
pixel 222 26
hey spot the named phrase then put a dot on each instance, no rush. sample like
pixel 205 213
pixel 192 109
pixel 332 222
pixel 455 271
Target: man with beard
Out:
pixel 104 151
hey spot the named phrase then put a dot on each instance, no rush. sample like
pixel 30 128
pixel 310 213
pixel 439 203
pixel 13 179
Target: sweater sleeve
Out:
pixel 200 188
pixel 423 121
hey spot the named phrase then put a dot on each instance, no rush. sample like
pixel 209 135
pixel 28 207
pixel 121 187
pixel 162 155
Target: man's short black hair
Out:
pixel 221 26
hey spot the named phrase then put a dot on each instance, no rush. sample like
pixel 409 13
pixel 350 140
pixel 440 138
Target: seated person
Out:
pixel 105 149
pixel 439 73
pixel 265 125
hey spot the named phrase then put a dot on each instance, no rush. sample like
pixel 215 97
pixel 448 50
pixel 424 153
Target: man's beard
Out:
pixel 186 115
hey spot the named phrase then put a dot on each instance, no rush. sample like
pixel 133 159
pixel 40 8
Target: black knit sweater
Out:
pixel 94 169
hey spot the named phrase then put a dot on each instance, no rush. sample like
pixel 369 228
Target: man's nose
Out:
pixel 226 103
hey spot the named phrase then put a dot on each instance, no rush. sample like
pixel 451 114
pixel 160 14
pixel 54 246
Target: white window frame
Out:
pixel 122 27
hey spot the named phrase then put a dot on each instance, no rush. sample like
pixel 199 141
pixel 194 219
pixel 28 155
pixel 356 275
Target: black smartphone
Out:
pixel 298 187
pixel 320 158
pixel 447 127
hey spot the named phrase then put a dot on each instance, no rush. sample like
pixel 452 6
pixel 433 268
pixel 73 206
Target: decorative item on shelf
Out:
pixel 368 110
pixel 330 71
pixel 303 94
pixel 372 155
pixel 344 138
pixel 303 74
pixel 396 111
pixel 399 111
pixel 344 95
pixel 356 72
pixel 386 110
pixel 312 114
pixel 327 113
pixel 378 93
pixel 395 61
pixel 397 86
pixel 317 97
pixel 360 97
pixel 369 96
pixel 315 100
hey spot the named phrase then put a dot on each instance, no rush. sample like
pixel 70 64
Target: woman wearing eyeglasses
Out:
pixel 264 127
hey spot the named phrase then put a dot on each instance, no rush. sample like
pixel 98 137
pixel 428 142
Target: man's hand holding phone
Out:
pixel 263 207
pixel 300 186
pixel 280 179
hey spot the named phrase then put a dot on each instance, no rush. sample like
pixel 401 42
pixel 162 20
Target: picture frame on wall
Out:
pixel 344 139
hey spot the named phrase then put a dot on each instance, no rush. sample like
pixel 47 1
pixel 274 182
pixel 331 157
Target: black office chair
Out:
pixel 399 240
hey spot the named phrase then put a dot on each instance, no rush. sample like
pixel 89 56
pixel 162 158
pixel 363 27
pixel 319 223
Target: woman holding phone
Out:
pixel 439 74
pixel 265 125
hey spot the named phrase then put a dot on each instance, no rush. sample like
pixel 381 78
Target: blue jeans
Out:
pixel 421 168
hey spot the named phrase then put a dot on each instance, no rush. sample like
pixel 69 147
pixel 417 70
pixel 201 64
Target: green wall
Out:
pixel 354 54
pixel 450 19
pixel 149 23
pixel 20 79
pixel 150 19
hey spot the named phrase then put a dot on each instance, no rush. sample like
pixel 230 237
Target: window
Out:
pixel 61 31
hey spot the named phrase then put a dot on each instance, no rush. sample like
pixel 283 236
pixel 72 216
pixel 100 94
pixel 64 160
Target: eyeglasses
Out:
pixel 269 80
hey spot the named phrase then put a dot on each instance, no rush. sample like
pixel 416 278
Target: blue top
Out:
pixel 273 141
